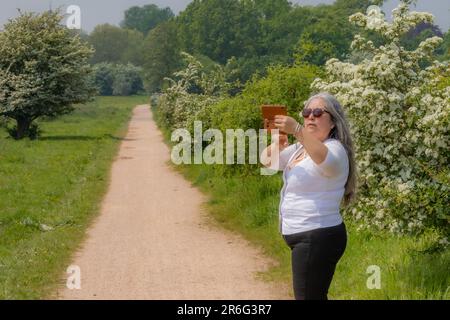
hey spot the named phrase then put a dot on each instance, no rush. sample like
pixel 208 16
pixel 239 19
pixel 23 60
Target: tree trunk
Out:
pixel 23 126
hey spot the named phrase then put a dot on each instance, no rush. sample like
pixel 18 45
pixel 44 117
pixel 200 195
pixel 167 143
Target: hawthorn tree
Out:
pixel 44 70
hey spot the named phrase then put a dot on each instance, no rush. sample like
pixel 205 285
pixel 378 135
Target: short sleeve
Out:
pixel 336 160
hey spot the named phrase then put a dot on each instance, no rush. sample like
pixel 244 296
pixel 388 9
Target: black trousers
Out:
pixel 315 254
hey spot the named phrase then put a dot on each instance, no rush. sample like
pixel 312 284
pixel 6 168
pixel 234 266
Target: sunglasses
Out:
pixel 317 112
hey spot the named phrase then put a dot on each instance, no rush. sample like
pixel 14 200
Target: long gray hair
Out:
pixel 341 132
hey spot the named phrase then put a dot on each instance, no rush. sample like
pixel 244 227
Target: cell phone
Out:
pixel 269 112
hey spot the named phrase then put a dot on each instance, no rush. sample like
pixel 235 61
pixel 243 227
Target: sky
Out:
pixel 95 12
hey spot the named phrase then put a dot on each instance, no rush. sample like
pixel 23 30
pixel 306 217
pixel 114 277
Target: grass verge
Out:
pixel 51 189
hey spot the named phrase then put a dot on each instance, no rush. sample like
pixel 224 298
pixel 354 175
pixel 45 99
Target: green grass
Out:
pixel 250 206
pixel 57 181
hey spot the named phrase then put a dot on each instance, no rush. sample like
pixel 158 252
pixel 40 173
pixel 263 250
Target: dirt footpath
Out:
pixel 152 240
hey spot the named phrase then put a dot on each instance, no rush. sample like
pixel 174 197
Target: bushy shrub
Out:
pixel 127 80
pixel 104 78
pixel 191 90
pixel 117 79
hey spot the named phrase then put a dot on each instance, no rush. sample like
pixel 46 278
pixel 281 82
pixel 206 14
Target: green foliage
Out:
pixel 259 33
pixel 444 49
pixel 323 40
pixel 289 86
pixel 191 90
pixel 270 9
pixel 145 18
pixel 329 33
pixel 108 42
pixel 220 29
pixel 245 68
pixel 133 52
pixel 118 80
pixel 116 45
pixel 161 55
pixel 44 69
pixel 104 78
pixel 127 80
pixel 282 32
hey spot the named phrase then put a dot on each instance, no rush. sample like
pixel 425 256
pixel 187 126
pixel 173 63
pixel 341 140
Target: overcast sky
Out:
pixel 95 12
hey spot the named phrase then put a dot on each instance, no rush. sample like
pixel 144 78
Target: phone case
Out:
pixel 269 112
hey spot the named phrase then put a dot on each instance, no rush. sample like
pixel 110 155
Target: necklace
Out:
pixel 299 158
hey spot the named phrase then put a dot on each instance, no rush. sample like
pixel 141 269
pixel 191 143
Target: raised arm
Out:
pixel 271 150
pixel 315 148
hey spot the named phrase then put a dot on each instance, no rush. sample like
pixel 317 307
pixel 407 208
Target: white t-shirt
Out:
pixel 312 193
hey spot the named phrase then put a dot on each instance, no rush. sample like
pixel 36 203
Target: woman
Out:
pixel 318 171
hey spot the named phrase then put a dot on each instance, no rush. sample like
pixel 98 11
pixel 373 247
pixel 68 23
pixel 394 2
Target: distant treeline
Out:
pixel 257 33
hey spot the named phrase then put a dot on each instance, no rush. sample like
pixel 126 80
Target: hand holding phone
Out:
pixel 269 112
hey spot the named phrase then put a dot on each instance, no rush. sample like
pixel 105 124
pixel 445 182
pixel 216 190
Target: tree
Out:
pixel 281 33
pixel 272 8
pixel 109 43
pixel 144 19
pixel 399 113
pixel 329 33
pixel 221 29
pixel 133 48
pixel 323 40
pixel 161 55
pixel 116 45
pixel 44 69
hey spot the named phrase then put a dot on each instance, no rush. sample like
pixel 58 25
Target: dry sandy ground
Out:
pixel 152 240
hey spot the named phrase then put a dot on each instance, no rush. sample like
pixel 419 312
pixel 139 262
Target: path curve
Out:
pixel 152 240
